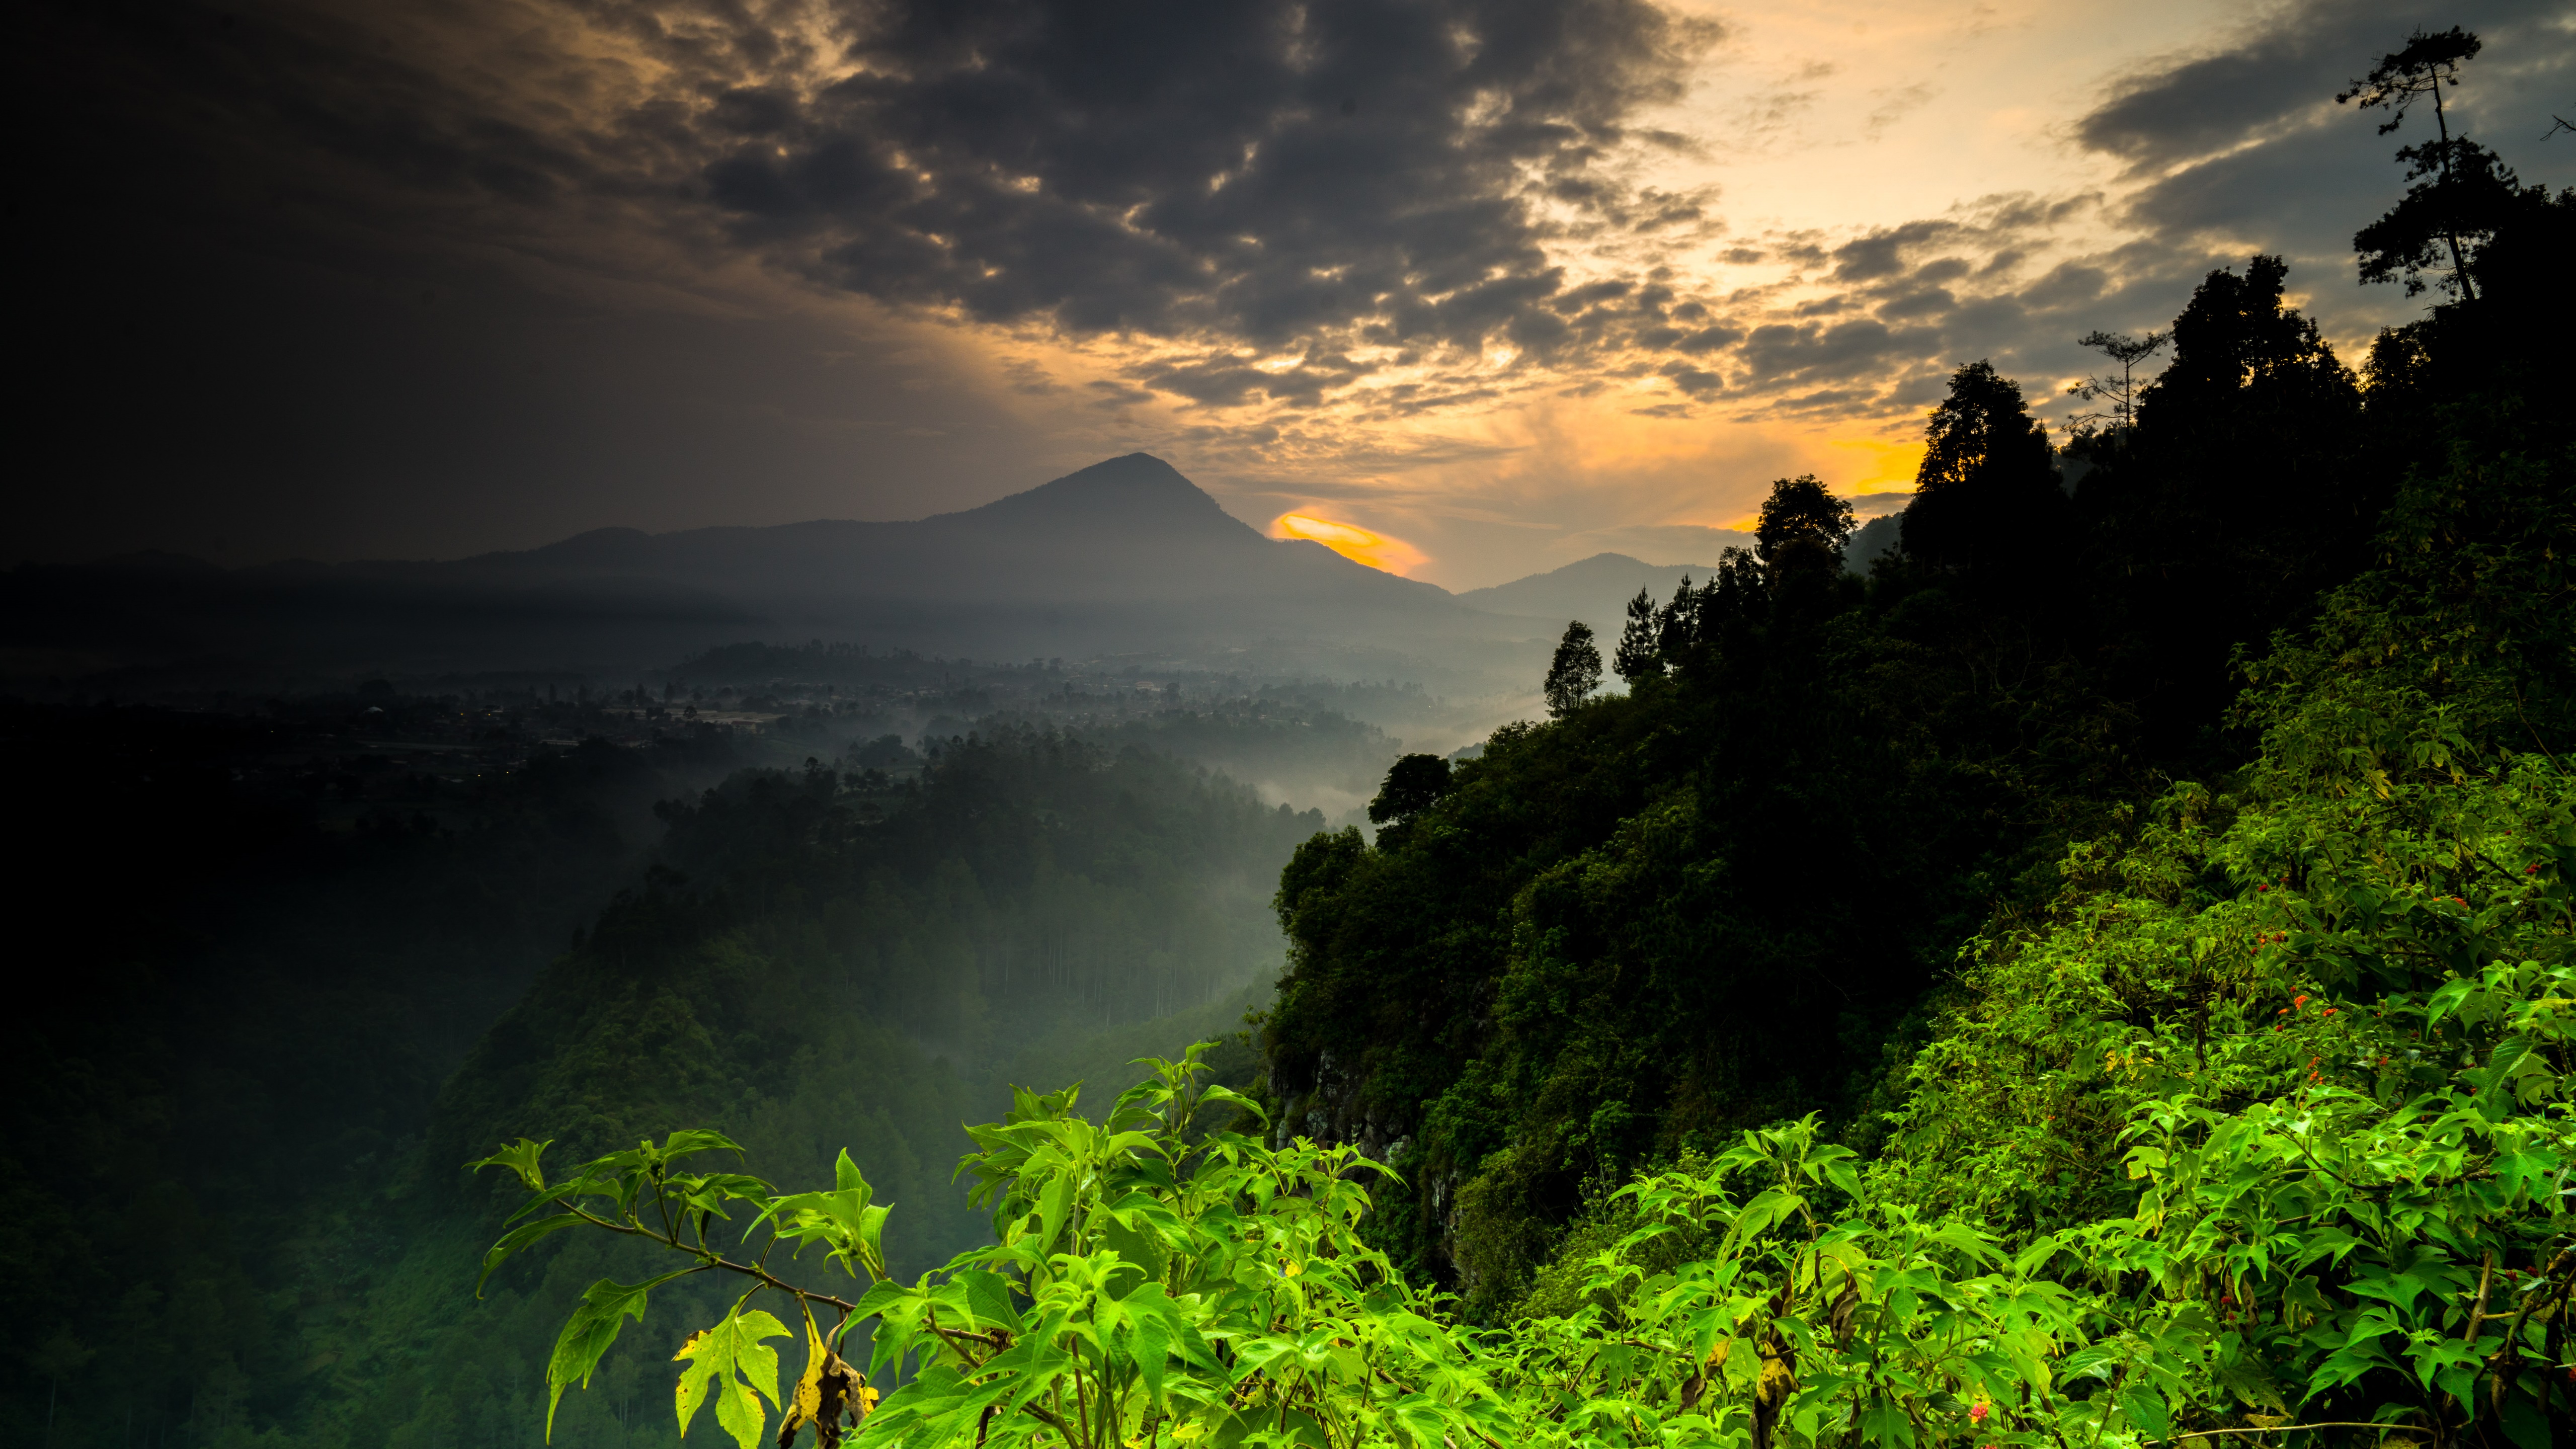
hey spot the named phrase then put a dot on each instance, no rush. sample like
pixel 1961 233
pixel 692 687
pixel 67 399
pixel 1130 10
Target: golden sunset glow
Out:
pixel 1875 465
pixel 1351 541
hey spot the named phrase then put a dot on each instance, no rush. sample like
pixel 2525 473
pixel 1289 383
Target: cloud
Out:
pixel 2240 146
pixel 1265 173
pixel 1895 103
pixel 433 266
pixel 2279 72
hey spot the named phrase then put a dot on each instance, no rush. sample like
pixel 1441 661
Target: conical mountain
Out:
pixel 1138 495
pixel 1126 554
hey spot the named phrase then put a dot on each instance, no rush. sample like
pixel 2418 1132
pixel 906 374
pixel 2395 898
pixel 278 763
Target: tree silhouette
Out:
pixel 2402 78
pixel 2237 336
pixel 2458 212
pixel 1575 671
pixel 1640 652
pixel 2122 395
pixel 1987 491
pixel 1801 520
pixel 1413 784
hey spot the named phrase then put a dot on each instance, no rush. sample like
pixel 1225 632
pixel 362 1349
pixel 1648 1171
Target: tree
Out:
pixel 2418 72
pixel 1987 491
pixel 2122 395
pixel 2470 197
pixel 1414 784
pixel 1640 655
pixel 1800 519
pixel 2239 342
pixel 1575 671
pixel 59 1358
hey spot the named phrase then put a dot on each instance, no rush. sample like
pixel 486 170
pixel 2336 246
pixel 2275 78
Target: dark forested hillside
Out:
pixel 1727 896
pixel 242 1099
pixel 255 945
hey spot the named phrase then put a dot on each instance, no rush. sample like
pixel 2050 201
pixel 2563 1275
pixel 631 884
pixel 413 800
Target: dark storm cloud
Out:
pixel 1784 354
pixel 1264 172
pixel 2280 78
pixel 2279 72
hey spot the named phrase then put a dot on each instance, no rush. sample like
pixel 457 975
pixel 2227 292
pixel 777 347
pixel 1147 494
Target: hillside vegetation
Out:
pixel 2103 979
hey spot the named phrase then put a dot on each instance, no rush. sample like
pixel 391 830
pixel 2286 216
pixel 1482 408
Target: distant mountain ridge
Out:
pixel 1122 556
pixel 1582 584
pixel 1595 590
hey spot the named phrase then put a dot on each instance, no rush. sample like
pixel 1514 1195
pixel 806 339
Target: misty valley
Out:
pixel 2073 947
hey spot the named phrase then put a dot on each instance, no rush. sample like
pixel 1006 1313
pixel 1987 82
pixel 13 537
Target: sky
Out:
pixel 1467 288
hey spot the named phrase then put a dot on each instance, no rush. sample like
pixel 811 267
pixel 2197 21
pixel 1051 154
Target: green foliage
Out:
pixel 1413 784
pixel 2314 1096
pixel 1146 1280
pixel 1735 894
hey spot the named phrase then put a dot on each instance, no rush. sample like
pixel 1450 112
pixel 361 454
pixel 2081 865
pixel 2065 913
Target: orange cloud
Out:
pixel 1351 541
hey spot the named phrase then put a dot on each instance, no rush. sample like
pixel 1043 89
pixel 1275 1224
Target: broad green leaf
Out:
pixel 605 1306
pixel 732 1364
pixel 521 1237
pixel 519 1157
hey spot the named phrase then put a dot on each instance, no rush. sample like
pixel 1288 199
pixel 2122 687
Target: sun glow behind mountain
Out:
pixel 1351 541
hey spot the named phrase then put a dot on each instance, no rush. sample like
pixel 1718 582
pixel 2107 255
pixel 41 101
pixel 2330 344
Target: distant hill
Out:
pixel 1595 590
pixel 1125 555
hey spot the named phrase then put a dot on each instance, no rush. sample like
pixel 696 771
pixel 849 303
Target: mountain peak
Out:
pixel 1138 492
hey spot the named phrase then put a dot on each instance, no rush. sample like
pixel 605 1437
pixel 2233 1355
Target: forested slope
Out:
pixel 234 1156
pixel 820 960
pixel 242 980
pixel 1726 896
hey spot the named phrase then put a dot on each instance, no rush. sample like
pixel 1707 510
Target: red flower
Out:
pixel 1977 1413
pixel 2299 1000
pixel 2330 1011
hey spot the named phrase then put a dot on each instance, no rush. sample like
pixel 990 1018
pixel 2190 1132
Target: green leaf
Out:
pixel 605 1306
pixel 518 1238
pixel 1054 1206
pixel 2448 999
pixel 988 1297
pixel 846 1177
pixel 519 1157
pixel 681 1144
pixel 730 1363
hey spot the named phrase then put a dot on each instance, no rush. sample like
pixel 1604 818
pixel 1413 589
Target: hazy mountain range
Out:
pixel 1125 556
pixel 1595 590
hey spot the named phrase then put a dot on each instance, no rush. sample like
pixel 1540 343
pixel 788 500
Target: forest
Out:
pixel 2100 976
pixel 230 1152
